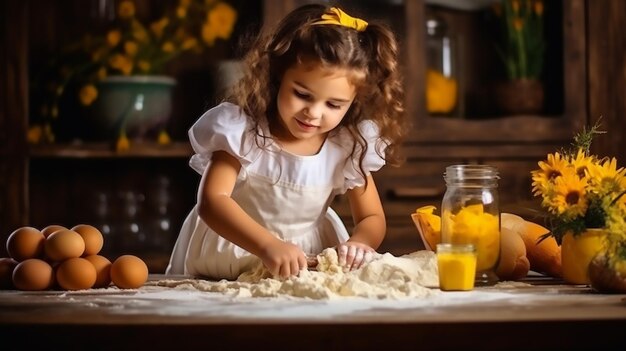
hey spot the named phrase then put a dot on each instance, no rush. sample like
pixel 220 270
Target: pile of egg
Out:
pixel 66 259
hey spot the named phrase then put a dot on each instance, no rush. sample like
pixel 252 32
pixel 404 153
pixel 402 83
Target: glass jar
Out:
pixel 442 79
pixel 470 214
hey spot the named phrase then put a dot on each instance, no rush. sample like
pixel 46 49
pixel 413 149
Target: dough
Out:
pixel 386 276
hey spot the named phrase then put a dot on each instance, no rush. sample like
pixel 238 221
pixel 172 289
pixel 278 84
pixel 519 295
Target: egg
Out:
pixel 51 229
pixel 7 266
pixel 64 244
pixel 76 274
pixel 25 243
pixel 103 270
pixel 33 274
pixel 92 236
pixel 129 272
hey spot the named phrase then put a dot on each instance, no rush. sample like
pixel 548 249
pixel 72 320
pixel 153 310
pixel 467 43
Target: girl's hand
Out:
pixel 352 255
pixel 283 259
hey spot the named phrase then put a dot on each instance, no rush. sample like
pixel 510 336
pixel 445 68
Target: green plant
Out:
pixel 521 44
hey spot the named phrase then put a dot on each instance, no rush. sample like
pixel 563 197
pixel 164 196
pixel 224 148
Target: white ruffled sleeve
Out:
pixel 373 160
pixel 223 128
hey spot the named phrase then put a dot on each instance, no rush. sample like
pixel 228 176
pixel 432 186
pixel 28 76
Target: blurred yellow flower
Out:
pixel 123 144
pixel 88 94
pixel 164 138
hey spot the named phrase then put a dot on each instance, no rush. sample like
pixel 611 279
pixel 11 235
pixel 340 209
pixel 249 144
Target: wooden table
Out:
pixel 539 313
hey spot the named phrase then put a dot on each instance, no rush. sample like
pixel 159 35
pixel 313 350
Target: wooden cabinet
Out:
pixel 587 56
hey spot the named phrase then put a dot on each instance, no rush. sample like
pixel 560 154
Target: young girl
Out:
pixel 318 110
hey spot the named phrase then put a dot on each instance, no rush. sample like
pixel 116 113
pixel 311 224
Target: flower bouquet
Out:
pixel 583 195
pixel 129 48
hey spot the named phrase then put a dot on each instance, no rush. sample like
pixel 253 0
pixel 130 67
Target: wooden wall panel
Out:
pixel 13 112
pixel 607 74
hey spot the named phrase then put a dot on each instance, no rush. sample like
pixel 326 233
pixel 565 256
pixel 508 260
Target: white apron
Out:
pixel 199 251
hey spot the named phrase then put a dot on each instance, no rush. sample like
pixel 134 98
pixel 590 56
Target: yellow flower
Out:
pixel 582 162
pixel 219 23
pixel 547 172
pixel 168 47
pixel 34 134
pixel 88 94
pixel 114 37
pixel 606 179
pixel 123 144
pixel 607 170
pixel 126 9
pixel 164 138
pixel 569 197
pixel 131 48
pixel 139 32
pixel 189 43
pixel 159 26
pixel 181 12
pixel 122 63
pixel 518 24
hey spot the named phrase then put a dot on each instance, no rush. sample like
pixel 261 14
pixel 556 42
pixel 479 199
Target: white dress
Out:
pixel 286 193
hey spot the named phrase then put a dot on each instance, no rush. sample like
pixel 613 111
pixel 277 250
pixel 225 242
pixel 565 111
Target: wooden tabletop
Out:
pixel 536 313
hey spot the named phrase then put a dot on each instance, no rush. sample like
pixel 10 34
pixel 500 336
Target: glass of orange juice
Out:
pixel 457 266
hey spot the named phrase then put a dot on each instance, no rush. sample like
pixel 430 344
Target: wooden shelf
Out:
pixel 106 150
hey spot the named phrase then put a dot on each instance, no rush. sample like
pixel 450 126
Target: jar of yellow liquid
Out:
pixel 457 266
pixel 470 214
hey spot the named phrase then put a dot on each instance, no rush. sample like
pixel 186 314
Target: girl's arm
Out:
pixel 228 219
pixel 370 225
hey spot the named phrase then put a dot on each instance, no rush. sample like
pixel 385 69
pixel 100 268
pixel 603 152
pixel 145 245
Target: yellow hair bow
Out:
pixel 337 16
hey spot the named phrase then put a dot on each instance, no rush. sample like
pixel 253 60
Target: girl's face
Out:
pixel 312 100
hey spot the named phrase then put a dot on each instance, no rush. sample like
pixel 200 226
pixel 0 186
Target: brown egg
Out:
pixel 129 272
pixel 7 266
pixel 33 274
pixel 64 244
pixel 76 274
pixel 103 270
pixel 92 237
pixel 51 229
pixel 25 243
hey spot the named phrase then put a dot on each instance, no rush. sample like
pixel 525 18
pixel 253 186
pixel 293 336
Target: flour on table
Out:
pixel 386 276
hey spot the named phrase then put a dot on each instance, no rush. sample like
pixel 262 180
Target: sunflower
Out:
pixel 569 198
pixel 581 162
pixel 606 178
pixel 548 171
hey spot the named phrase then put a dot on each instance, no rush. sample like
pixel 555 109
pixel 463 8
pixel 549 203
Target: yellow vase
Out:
pixel 577 252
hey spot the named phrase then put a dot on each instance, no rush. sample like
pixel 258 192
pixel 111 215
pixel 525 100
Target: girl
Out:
pixel 318 110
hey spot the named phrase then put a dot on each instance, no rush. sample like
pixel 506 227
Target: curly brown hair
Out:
pixel 371 54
